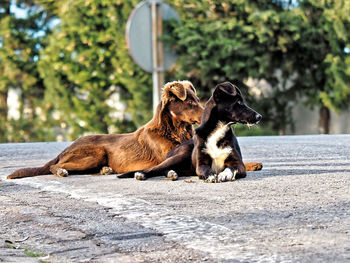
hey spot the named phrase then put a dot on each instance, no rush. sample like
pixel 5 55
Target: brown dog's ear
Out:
pixel 172 90
pixel 190 85
pixel 223 90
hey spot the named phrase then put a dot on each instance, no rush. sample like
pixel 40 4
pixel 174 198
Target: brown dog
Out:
pixel 170 126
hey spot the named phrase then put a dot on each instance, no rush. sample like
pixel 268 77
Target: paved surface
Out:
pixel 297 209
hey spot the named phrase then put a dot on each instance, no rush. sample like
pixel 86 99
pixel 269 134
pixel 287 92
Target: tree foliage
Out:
pixel 20 44
pixel 66 72
pixel 299 48
pixel 85 58
pixel 325 40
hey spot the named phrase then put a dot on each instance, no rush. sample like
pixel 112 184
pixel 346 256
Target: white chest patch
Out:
pixel 218 155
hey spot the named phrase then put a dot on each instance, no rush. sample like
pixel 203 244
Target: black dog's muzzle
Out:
pixel 258 117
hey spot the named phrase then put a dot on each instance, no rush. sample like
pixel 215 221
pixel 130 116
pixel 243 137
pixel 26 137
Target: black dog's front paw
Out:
pixel 140 176
pixel 227 175
pixel 212 178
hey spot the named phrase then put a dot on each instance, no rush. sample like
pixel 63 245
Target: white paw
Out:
pixel 139 176
pixel 212 178
pixel 227 175
pixel 61 172
pixel 106 170
pixel 172 175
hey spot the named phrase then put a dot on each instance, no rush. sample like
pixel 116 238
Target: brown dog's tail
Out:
pixel 35 171
pixel 253 166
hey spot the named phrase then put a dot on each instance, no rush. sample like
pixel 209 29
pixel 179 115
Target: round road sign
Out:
pixel 139 35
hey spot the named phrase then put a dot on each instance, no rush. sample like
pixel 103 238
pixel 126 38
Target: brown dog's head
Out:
pixel 180 102
pixel 231 106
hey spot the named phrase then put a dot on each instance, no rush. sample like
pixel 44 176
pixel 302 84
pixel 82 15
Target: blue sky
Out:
pixel 19 12
pixel 23 13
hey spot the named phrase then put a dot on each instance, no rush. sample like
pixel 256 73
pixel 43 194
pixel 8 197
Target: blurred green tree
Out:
pixel 85 60
pixel 20 44
pixel 319 57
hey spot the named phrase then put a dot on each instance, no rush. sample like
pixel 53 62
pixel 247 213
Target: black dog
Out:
pixel 213 153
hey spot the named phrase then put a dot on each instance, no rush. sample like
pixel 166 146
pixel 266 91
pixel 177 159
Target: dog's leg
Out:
pixel 236 164
pixel 167 168
pixel 203 166
pixel 81 159
pixel 205 172
pixel 241 172
pixel 179 160
pixel 61 169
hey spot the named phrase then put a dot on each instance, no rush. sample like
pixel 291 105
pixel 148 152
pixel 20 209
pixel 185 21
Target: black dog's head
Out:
pixel 231 106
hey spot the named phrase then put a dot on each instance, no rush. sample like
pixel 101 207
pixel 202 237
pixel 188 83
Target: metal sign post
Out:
pixel 157 50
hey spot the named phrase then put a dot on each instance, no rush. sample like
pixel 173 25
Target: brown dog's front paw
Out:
pixel 172 175
pixel 253 166
pixel 106 170
pixel 61 172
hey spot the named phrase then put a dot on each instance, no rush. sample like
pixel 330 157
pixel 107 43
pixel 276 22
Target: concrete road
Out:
pixel 297 209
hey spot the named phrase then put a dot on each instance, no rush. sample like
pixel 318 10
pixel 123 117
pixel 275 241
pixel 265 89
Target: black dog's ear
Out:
pixel 223 90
